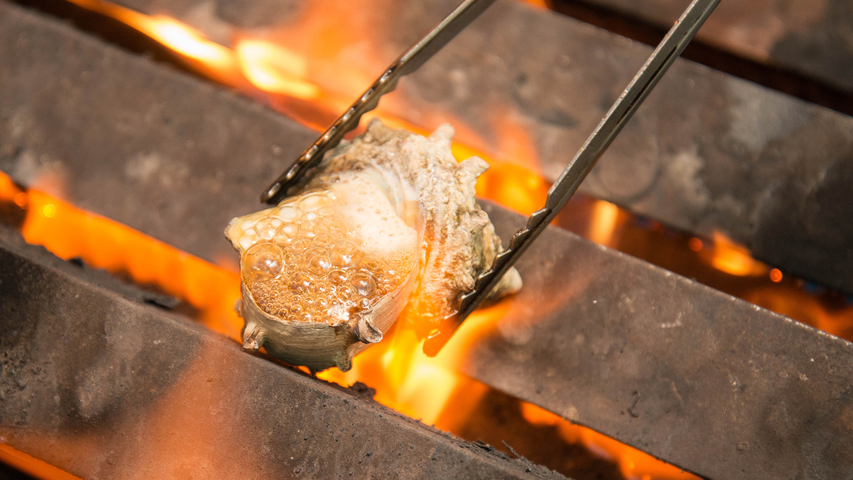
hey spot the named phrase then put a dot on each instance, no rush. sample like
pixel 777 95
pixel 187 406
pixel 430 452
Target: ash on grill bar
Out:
pixel 687 315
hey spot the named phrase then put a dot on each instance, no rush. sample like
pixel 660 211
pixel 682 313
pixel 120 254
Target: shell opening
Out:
pixel 326 256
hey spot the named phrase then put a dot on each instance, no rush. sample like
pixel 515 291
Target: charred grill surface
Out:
pixel 129 138
pixel 707 151
pixel 104 387
pixel 176 158
pixel 713 384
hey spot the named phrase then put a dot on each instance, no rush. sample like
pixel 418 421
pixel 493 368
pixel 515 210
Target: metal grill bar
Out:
pixel 710 383
pixel 104 387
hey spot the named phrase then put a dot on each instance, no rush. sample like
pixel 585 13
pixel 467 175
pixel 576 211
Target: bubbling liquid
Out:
pixel 309 259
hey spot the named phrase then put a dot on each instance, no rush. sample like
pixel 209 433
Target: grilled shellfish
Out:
pixel 386 226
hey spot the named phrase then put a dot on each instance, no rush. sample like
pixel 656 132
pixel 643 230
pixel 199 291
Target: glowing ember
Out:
pixel 696 244
pixel 776 275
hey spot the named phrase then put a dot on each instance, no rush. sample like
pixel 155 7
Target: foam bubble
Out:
pixel 262 262
pixel 325 257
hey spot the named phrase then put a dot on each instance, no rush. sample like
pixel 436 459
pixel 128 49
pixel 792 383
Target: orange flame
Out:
pixel 633 463
pixel 32 466
pixel 9 192
pixel 272 68
pixel 517 183
pixel 605 218
pixel 834 316
pixel 105 244
pixel 214 60
pixel 408 380
pixel 405 379
pixel 734 259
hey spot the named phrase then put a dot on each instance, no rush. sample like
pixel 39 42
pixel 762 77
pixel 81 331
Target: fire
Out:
pixel 633 463
pixel 262 65
pixel 105 244
pixel 214 60
pixel 408 380
pixel 9 192
pixel 273 68
pixel 185 41
pixel 605 217
pixel 32 466
pixel 831 314
pixel 734 259
pixel 514 186
pixel 404 378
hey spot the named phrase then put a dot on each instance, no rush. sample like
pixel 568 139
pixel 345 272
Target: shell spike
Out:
pixel 365 331
pixel 253 338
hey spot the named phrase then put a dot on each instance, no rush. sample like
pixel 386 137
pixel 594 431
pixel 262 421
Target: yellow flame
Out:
pixel 408 380
pixel 186 41
pixel 273 68
pixel 734 259
pixel 405 378
pixel 105 244
pixel 605 216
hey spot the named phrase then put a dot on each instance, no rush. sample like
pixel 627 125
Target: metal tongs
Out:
pixel 664 55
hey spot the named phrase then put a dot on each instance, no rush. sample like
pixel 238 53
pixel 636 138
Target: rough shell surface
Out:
pixel 404 211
